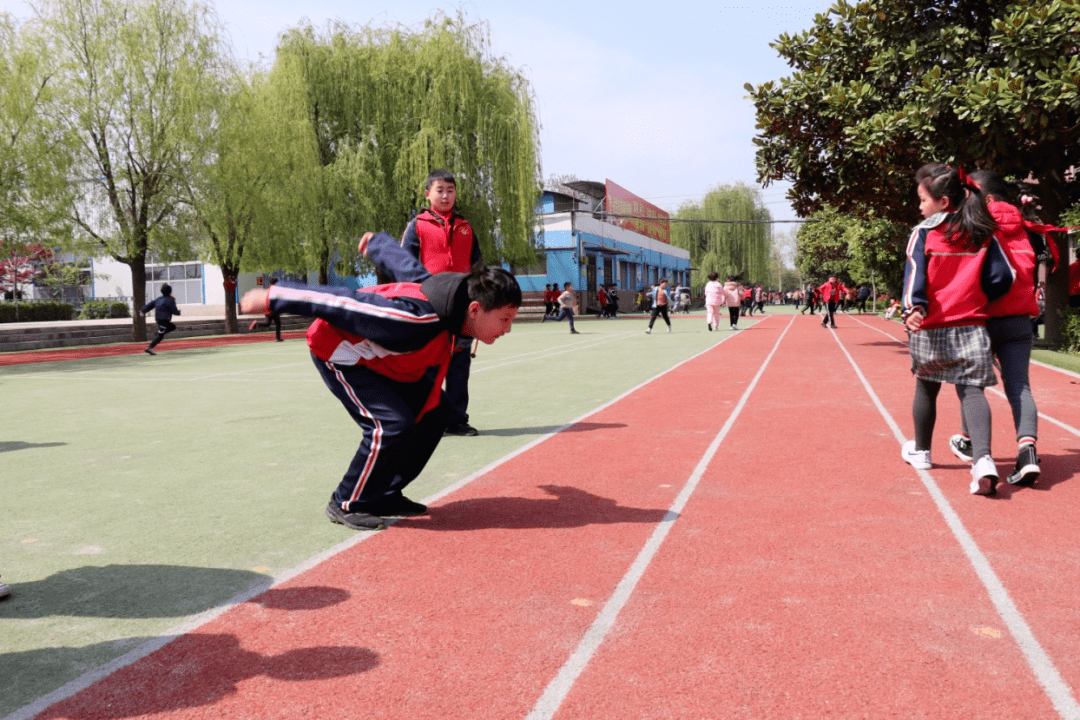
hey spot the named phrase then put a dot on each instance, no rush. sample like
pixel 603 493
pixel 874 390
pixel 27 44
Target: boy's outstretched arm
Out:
pixel 391 259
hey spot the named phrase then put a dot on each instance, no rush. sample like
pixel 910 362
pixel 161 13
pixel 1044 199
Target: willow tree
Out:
pixel 729 232
pixel 33 182
pixel 384 107
pixel 255 147
pixel 137 84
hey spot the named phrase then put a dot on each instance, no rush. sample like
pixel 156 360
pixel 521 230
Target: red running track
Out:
pixel 808 573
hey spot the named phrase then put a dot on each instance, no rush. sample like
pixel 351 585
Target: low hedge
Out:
pixel 36 311
pixel 1070 331
pixel 97 309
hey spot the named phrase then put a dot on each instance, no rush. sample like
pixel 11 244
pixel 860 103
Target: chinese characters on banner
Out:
pixel 646 218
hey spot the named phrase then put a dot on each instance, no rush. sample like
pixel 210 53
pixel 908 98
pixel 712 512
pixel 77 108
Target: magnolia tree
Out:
pixel 20 267
pixel 879 87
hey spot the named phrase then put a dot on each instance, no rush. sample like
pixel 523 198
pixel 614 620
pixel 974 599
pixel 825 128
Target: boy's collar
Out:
pixel 445 217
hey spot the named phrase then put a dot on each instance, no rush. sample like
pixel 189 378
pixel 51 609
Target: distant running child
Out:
pixel 714 299
pixel 660 304
pixel 733 295
pixel 831 295
pixel 566 307
pixel 953 269
pixel 164 308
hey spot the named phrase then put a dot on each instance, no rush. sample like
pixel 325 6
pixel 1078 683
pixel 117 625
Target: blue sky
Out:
pixel 649 95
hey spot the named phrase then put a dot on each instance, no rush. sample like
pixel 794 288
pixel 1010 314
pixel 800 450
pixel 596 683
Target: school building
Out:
pixel 593 233
pixel 588 233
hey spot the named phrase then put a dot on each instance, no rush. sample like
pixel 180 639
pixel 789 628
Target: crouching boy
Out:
pixel 384 351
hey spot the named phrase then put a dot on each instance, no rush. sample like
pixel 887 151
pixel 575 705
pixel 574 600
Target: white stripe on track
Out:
pixel 1057 690
pixel 556 691
pixel 194 623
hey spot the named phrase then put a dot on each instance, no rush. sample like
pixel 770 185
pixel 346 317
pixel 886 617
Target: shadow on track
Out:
pixel 570 507
pixel 545 429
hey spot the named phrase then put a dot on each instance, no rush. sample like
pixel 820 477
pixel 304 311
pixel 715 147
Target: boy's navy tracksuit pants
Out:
pixel 394 447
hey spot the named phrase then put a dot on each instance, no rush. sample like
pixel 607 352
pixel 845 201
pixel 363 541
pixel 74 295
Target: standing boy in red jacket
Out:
pixel 442 240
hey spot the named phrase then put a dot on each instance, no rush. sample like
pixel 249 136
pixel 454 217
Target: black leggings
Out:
pixel 659 310
pixel 973 404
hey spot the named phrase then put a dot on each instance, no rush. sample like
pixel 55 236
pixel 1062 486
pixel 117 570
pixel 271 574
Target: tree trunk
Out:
pixel 232 323
pixel 1057 292
pixel 138 299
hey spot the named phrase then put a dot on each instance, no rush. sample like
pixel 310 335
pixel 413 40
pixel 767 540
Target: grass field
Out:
pixel 129 482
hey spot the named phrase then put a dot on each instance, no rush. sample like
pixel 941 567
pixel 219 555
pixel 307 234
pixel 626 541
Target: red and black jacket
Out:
pixel 952 284
pixel 403 330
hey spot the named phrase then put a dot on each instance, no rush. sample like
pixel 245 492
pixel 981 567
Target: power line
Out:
pixel 703 221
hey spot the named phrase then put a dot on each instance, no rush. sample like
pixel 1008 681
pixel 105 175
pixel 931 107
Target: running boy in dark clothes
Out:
pixel 441 239
pixel 272 318
pixel 164 308
pixel 384 351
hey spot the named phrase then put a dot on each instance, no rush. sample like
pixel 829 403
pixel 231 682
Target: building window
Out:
pixel 185 279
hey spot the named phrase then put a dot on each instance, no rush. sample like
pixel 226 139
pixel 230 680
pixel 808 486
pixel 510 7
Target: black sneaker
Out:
pixel 354 520
pixel 1027 467
pixel 961 447
pixel 148 351
pixel 396 506
pixel 463 429
pixel 574 332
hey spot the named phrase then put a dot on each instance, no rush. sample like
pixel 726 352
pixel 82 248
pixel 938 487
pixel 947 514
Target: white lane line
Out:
pixel 195 622
pixel 1053 421
pixel 556 692
pixel 1057 690
pixel 553 352
pixel 1063 371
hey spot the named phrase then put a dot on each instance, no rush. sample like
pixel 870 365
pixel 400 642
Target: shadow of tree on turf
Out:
pixel 201 670
pixel 12 445
pixel 570 507
pixel 29 674
pixel 127 591
pixel 545 429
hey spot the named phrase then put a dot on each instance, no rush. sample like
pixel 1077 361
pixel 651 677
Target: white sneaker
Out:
pixel 669 329
pixel 648 330
pixel 918 459
pixel 984 476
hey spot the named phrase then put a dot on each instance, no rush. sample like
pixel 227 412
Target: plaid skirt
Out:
pixel 955 355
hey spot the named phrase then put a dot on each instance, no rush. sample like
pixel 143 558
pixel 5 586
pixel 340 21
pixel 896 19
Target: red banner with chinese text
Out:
pixel 639 215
